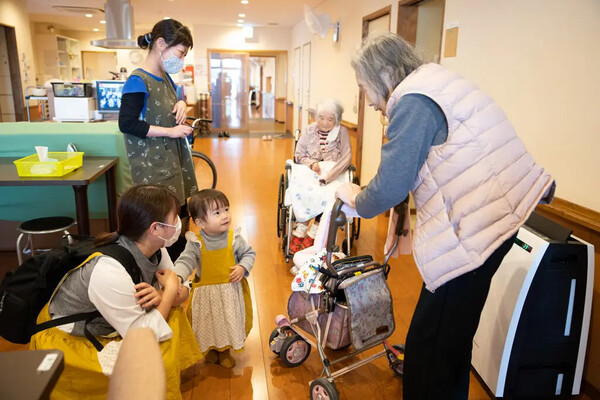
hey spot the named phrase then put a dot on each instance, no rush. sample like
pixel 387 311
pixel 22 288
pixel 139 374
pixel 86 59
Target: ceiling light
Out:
pixel 96 30
pixel 244 2
pixel 242 15
pixel 167 18
pixel 240 25
pixel 103 22
pixel 240 21
pixel 89 15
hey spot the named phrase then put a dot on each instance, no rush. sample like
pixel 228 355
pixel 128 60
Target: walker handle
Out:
pixel 338 219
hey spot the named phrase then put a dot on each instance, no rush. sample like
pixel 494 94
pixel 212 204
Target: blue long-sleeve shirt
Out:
pixel 416 124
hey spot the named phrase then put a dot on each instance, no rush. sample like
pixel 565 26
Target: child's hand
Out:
pixel 147 296
pixel 237 273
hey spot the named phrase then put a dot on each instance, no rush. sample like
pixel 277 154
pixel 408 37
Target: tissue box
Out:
pixel 66 162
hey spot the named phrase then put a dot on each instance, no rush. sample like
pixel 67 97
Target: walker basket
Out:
pixel 66 162
pixel 338 335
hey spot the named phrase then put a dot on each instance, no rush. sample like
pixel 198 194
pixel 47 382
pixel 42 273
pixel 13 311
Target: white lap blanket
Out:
pixel 306 195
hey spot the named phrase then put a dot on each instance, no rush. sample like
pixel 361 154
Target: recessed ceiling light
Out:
pixel 240 25
pixel 89 15
pixel 96 30
pixel 244 2
pixel 103 22
pixel 240 20
pixel 242 15
pixel 167 18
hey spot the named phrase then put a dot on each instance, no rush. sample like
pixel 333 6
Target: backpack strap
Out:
pixel 126 259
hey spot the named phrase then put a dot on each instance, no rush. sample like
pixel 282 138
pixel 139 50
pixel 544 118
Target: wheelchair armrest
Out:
pixel 288 166
pixel 352 168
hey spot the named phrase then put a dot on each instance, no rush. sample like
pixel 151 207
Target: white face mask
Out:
pixel 169 242
pixel 172 64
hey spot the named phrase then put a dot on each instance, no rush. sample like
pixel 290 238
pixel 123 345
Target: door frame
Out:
pixel 15 72
pixel 408 18
pixel 246 120
pixel 361 96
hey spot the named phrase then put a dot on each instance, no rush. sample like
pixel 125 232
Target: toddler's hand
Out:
pixel 147 296
pixel 237 273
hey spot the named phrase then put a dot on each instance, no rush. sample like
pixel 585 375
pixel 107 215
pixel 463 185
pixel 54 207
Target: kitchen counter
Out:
pixel 17 139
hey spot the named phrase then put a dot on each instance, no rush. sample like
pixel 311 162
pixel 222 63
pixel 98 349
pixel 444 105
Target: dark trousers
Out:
pixel 440 338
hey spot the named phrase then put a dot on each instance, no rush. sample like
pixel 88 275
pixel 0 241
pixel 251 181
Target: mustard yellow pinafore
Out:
pixel 82 377
pixel 220 311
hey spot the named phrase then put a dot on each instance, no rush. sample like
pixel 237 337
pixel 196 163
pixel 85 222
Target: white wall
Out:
pixel 231 38
pixel 332 75
pixel 539 60
pixel 12 13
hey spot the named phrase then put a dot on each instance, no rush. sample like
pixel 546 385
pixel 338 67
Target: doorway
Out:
pixel 370 127
pixel 98 64
pixel 12 105
pixel 228 77
pixel 262 88
pixel 421 22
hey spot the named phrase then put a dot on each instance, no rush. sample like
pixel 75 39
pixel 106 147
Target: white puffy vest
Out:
pixel 475 190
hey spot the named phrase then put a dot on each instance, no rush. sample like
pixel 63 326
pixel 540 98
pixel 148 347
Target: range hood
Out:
pixel 119 26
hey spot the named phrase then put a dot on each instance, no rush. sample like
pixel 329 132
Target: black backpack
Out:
pixel 24 292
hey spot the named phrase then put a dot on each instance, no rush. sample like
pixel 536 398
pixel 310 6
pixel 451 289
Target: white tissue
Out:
pixel 42 152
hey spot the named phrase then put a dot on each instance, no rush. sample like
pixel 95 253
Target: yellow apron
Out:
pixel 216 266
pixel 82 377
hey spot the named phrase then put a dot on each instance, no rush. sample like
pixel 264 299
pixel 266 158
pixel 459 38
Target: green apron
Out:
pixel 161 160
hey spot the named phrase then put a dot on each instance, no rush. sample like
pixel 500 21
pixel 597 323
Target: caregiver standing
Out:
pixel 474 184
pixel 152 118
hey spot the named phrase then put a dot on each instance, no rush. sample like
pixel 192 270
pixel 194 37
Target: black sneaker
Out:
pixel 226 134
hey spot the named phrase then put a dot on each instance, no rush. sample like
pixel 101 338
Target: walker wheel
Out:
pixel 397 363
pixel 294 351
pixel 322 389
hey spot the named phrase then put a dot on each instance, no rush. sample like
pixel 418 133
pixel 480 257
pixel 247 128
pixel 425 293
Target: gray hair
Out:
pixel 331 106
pixel 385 53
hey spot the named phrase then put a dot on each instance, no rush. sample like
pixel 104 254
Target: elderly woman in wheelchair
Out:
pixel 325 149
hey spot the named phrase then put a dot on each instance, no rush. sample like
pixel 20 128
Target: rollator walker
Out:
pixel 355 308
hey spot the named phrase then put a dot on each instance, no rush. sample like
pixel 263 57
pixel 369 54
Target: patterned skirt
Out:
pixel 219 316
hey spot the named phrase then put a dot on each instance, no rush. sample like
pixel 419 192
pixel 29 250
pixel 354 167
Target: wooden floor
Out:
pixel 249 171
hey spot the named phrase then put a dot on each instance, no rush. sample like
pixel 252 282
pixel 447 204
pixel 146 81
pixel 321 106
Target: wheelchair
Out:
pixel 286 219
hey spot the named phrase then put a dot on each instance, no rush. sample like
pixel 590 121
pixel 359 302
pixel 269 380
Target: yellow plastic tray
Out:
pixel 66 162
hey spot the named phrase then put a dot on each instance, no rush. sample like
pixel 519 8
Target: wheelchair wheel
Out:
pixel 356 221
pixel 322 389
pixel 280 211
pixel 206 172
pixel 345 245
pixel 355 228
pixel 294 351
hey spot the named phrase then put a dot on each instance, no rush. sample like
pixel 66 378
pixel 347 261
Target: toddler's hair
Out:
pixel 201 202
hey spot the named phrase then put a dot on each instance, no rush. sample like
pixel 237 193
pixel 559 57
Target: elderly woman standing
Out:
pixel 474 184
pixel 324 140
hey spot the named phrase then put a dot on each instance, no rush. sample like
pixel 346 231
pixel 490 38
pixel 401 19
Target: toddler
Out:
pixel 220 308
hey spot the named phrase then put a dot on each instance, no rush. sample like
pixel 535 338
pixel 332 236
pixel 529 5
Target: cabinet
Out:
pixel 57 57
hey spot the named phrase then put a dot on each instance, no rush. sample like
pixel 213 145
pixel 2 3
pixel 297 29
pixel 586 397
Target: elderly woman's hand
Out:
pixel 347 192
pixel 315 167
